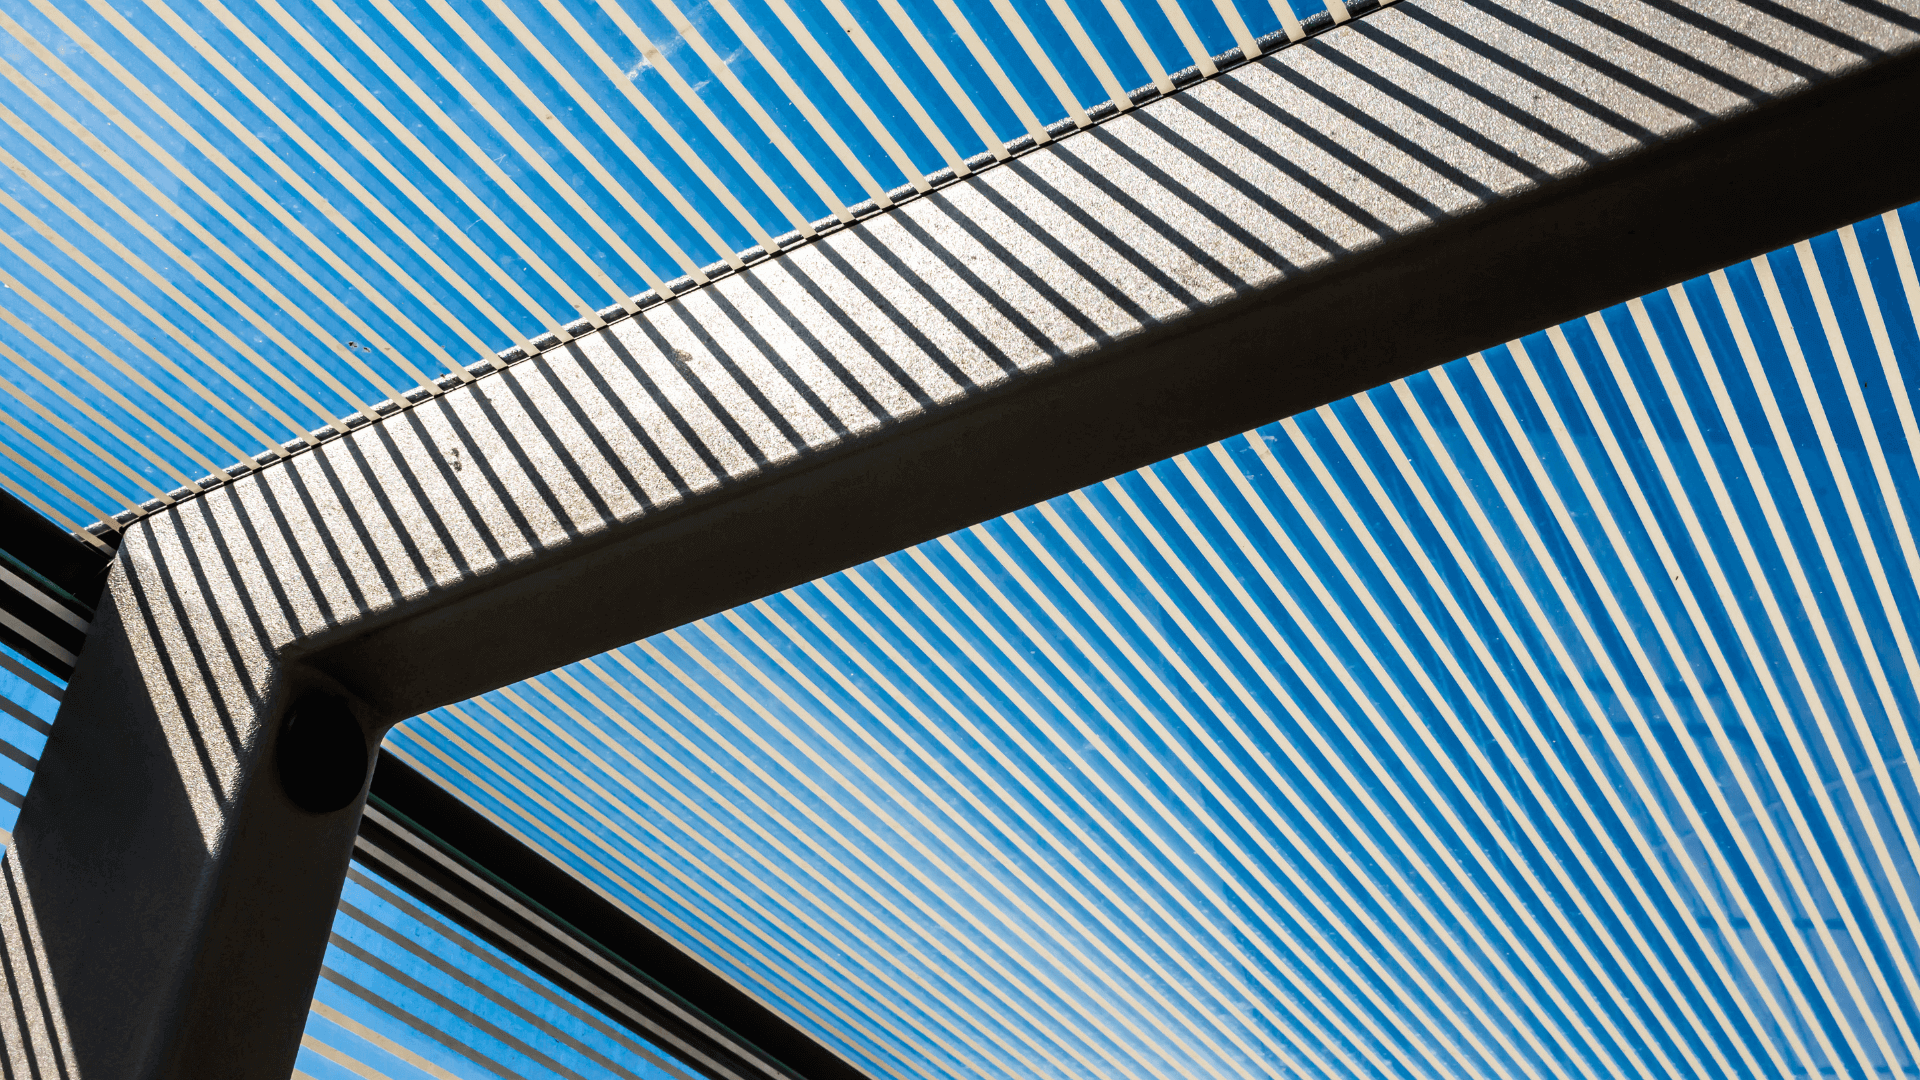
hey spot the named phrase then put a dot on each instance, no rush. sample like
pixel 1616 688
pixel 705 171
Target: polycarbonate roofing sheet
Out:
pixel 227 227
pixel 1547 715
pixel 407 995
pixel 29 700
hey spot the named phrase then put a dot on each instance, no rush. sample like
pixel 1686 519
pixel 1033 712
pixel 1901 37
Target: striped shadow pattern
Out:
pixel 685 1040
pixel 1265 176
pixel 39 620
pixel 234 230
pixel 1544 715
pixel 407 995
pixel 29 699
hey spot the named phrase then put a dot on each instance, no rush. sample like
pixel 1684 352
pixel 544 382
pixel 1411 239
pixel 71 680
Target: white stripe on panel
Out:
pixel 75 472
pixel 1242 35
pixel 181 410
pixel 56 483
pixel 139 446
pixel 582 987
pixel 38 639
pixel 391 171
pixel 1143 52
pixel 660 125
pixel 963 101
pixel 1090 53
pixel 985 58
pixel 174 253
pixel 874 57
pixel 1183 27
pixel 764 119
pixel 691 99
pixel 365 199
pixel 134 300
pixel 235 218
pixel 260 151
pixel 528 153
pixel 1044 64
pixel 175 211
pixel 67 430
pixel 790 20
pixel 32 592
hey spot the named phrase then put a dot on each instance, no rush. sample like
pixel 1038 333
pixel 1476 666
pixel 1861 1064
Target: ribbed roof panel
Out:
pixel 1546 714
pixel 406 995
pixel 29 699
pixel 229 227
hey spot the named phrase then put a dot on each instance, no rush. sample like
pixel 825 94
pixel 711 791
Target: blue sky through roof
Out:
pixel 410 996
pixel 229 225
pixel 29 699
pixel 1540 715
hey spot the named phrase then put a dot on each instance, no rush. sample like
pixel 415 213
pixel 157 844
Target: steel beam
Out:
pixel 1432 179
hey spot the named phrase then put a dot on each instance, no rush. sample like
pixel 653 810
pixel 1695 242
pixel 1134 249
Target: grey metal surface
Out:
pixel 1436 177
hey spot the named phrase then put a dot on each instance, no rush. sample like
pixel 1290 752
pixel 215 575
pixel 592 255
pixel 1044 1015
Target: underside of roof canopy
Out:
pixel 1546 714
pixel 1543 713
pixel 246 228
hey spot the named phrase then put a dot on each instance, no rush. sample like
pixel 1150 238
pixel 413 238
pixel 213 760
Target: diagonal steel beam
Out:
pixel 1437 177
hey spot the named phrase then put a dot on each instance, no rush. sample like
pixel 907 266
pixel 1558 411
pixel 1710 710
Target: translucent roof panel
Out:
pixel 1542 715
pixel 228 230
pixel 407 995
pixel 29 699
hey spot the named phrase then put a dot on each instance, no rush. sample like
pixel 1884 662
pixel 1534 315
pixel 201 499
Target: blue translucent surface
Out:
pixel 225 225
pixel 1547 714
pixel 29 698
pixel 410 996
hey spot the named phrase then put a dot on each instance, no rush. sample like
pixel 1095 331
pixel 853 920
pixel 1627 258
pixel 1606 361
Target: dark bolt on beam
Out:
pixel 1430 180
